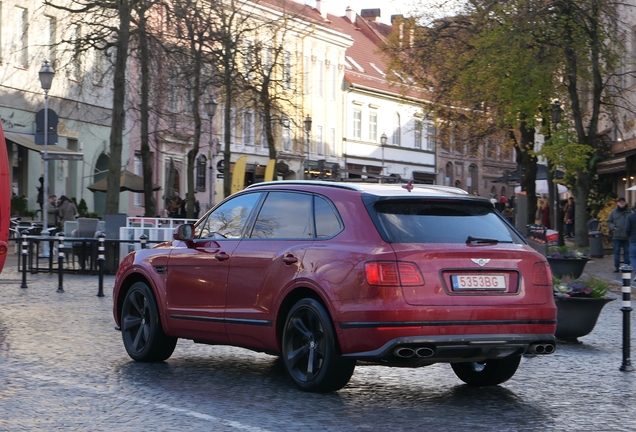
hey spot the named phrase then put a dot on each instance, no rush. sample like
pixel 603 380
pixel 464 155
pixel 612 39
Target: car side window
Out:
pixel 284 215
pixel 229 219
pixel 327 221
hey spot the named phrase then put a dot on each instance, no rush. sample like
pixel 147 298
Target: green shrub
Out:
pixel 18 206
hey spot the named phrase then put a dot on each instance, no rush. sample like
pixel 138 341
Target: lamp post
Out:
pixel 383 139
pixel 307 131
pixel 210 107
pixel 46 79
pixel 555 114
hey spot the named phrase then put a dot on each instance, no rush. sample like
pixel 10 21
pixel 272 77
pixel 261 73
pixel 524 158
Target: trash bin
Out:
pixel 596 239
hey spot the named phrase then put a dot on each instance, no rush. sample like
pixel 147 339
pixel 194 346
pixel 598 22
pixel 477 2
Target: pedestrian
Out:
pixel 617 223
pixel 40 199
pixel 494 199
pixel 503 200
pixel 630 230
pixel 197 207
pixel 51 210
pixel 66 211
pixel 476 192
pixel 545 214
pixel 568 218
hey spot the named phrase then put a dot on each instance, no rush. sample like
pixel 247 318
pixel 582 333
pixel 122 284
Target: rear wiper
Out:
pixel 472 239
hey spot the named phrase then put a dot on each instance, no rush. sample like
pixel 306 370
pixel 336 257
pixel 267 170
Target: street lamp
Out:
pixel 46 79
pixel 555 114
pixel 307 131
pixel 210 108
pixel 383 139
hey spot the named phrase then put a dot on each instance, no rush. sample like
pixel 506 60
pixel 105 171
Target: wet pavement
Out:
pixel 63 366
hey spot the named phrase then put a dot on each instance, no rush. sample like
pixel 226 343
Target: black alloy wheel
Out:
pixel 310 350
pixel 141 330
pixel 487 373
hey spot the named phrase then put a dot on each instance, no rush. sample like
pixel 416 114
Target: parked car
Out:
pixel 326 274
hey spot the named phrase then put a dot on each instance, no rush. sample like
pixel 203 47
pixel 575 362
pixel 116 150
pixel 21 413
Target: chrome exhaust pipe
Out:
pixel 536 349
pixel 424 352
pixel 541 349
pixel 404 352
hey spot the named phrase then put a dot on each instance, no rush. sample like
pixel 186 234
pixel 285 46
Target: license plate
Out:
pixel 478 282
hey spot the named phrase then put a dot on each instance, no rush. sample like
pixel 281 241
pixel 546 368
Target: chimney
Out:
pixel 321 5
pixel 351 15
pixel 370 14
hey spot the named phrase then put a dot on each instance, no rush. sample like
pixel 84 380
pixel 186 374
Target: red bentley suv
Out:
pixel 326 274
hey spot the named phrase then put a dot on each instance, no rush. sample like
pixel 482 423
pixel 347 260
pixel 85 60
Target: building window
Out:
pixel 76 62
pixel 287 75
pixel 286 135
pixel 332 142
pixel 431 139
pixel 449 174
pixel 357 124
pixel 417 131
pixel 173 90
pixel 373 126
pixel 320 145
pixel 50 33
pixel 248 128
pixel 22 37
pixel 397 129
pixel 201 173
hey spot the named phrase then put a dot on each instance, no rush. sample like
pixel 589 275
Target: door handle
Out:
pixel 222 256
pixel 290 259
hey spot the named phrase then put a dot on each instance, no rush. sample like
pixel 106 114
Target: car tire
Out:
pixel 487 373
pixel 141 329
pixel 310 351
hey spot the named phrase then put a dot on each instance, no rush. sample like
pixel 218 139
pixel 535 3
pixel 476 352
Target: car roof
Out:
pixel 378 189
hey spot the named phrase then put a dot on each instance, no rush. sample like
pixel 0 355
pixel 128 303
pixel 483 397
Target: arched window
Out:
pixel 449 174
pixel 201 172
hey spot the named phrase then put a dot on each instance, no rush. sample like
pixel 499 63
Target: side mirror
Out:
pixel 184 232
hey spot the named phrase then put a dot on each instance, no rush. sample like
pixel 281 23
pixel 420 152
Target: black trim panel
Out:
pixel 255 322
pixel 354 325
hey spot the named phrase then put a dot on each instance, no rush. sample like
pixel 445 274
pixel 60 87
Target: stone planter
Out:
pixel 576 316
pixel 572 267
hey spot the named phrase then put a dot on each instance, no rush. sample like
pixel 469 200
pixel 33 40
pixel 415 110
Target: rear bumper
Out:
pixel 422 350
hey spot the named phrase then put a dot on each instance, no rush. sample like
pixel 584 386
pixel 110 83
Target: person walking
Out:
pixel 66 211
pixel 568 218
pixel 545 214
pixel 630 230
pixel 617 223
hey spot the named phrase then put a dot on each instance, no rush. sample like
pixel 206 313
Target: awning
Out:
pixel 54 152
pixel 612 165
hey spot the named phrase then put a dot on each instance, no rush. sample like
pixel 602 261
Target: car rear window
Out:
pixel 417 221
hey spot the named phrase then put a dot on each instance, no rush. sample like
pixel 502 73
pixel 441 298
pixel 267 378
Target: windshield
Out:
pixel 417 221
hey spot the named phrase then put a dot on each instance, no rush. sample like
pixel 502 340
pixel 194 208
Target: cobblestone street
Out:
pixel 63 366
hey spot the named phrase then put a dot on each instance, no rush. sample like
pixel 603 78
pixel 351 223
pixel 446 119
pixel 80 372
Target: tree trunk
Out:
pixel 119 113
pixel 150 205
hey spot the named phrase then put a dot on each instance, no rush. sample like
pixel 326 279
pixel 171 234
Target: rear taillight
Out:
pixel 542 274
pixel 392 273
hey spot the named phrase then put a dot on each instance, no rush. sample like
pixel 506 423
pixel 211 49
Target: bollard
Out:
pixel 60 262
pixel 25 252
pixel 101 258
pixel 143 239
pixel 626 270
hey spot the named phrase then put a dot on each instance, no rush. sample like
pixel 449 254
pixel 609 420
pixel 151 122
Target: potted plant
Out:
pixel 579 303
pixel 567 261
